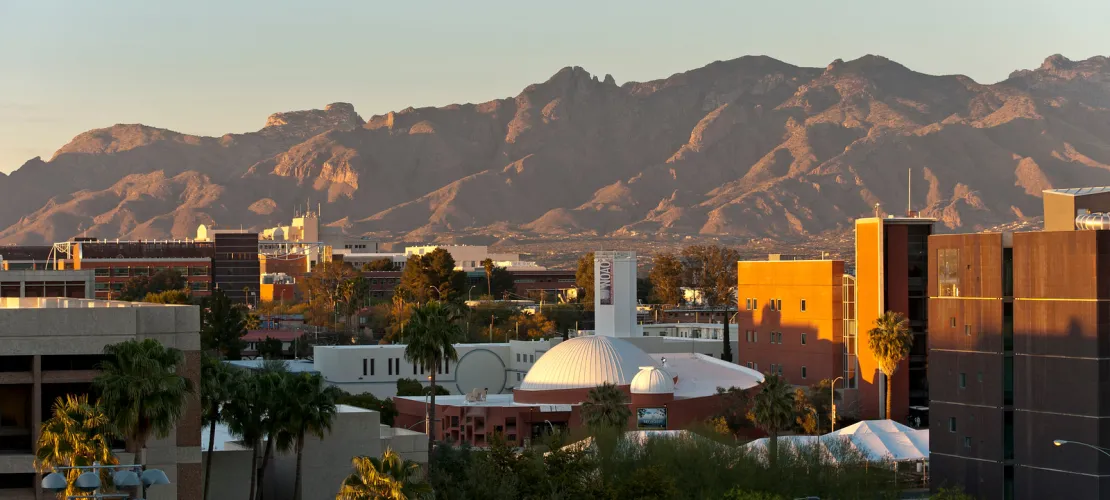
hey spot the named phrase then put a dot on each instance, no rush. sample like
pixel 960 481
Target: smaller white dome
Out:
pixel 652 380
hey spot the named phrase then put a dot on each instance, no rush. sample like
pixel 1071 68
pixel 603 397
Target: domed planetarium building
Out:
pixel 665 391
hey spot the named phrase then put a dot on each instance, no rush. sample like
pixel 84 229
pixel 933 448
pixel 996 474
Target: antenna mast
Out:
pixel 909 191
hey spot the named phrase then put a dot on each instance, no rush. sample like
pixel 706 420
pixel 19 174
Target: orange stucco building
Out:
pixel 891 260
pixel 791 318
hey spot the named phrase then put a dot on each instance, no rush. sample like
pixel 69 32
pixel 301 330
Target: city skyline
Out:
pixel 206 71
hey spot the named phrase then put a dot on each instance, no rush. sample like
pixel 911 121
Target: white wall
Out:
pixel 617 319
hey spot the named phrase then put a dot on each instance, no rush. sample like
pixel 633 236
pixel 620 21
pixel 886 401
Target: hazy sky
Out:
pixel 211 67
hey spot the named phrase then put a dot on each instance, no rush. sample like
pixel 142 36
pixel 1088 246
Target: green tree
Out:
pixel 311 410
pixel 712 270
pixel 430 338
pixel 271 348
pixel 431 276
pixel 222 325
pixel 584 280
pixel 245 413
pixel 164 279
pixel 77 434
pixel 735 405
pixel 644 290
pixel 773 411
pixel 327 287
pixel 384 407
pixel 169 297
pixel 805 414
pixel 387 478
pixel 502 281
pixel 488 266
pixel 252 321
pixel 606 408
pixel 666 279
pixel 378 265
pixel 413 387
pixel 141 391
pixel 890 341
pixel 274 386
pixel 531 326
pixel 218 383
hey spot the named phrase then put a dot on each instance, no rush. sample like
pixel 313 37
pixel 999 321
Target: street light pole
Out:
pixel 832 404
pixel 468 292
pixel 1061 442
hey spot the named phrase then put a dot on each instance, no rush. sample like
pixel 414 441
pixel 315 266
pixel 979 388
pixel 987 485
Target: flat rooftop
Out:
pixel 64 303
pixel 1079 191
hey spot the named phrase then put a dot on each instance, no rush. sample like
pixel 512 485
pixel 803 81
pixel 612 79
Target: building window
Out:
pixel 967 330
pixel 952 322
pixel 780 370
pixel 772 301
pixel 980 377
pixel 182 270
pixel 120 272
pixel 531 358
pixel 390 367
pixel 748 304
pixel 803 339
pixel 749 364
pixel 755 336
pixel 518 357
pixel 198 271
pixel 803 372
pixel 755 303
pixel 371 367
pixel 803 305
pixel 102 272
pixel 414 368
pixel 967 442
pixel 779 304
pixel 363 367
pixel 101 287
pixel 948 268
pixel 963 380
pixel 199 286
pixel 518 376
pixel 755 366
pixel 951 424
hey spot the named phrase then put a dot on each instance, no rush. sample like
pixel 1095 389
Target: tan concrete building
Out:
pixel 49 347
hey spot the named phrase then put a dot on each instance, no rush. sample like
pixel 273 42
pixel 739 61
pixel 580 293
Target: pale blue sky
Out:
pixel 210 67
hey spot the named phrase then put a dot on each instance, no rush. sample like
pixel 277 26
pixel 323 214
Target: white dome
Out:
pixel 586 362
pixel 652 380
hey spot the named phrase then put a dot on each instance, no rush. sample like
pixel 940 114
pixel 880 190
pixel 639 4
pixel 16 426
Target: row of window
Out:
pixel 394 367
pixel 196 286
pixel 776 337
pixel 128 271
pixel 525 358
pixel 385 281
pixel 776 369
pixel 773 304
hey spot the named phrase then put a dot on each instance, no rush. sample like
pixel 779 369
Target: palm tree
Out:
pixel 245 414
pixel 222 325
pixel 311 410
pixel 606 407
pixel 77 435
pixel 890 342
pixel 141 391
pixel 773 411
pixel 271 397
pixel 390 478
pixel 431 334
pixel 218 383
pixel 488 266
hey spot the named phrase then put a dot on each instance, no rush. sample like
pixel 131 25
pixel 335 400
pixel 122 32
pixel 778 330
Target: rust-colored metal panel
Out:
pixel 1056 265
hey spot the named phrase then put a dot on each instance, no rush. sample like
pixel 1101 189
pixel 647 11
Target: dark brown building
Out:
pixel 1019 357
pixel 236 269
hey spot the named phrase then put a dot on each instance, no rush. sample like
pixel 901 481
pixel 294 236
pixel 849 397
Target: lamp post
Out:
pixel 1061 442
pixel 439 294
pixel 125 476
pixel 468 292
pixel 832 404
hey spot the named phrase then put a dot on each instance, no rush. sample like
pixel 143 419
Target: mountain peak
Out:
pixel 337 115
pixel 1056 62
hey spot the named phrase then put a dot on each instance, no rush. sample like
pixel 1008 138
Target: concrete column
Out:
pixel 36 408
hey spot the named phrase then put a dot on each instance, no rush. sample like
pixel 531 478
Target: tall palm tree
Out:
pixel 430 337
pixel 77 435
pixel 141 391
pixel 606 407
pixel 390 478
pixel 245 414
pixel 773 411
pixel 218 383
pixel 890 342
pixel 271 396
pixel 488 265
pixel 311 410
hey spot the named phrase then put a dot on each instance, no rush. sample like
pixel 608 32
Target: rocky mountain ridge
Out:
pixel 747 148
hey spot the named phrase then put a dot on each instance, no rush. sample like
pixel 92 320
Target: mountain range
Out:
pixel 747 148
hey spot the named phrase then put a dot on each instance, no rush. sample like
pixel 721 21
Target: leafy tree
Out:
pixel 385 407
pixel 735 405
pixel 244 413
pixel 806 415
pixel 890 341
pixel 433 269
pixel 271 348
pixel 164 279
pixel 326 287
pixel 252 321
pixel 819 397
pixel 648 483
pixel 584 280
pixel 950 494
pixel 606 408
pixel 712 271
pixel 78 434
pixel 378 265
pixel 218 381
pixel 666 279
pixel 222 325
pixel 773 411
pixel 140 390
pixel 389 477
pixel 644 290
pixel 502 281
pixel 430 336
pixel 413 387
pixel 531 326
pixel 743 494
pixel 311 410
pixel 168 297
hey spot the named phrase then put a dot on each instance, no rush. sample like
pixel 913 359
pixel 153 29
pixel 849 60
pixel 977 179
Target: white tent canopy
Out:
pixel 875 439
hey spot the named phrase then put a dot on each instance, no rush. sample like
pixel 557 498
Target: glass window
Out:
pixel 772 302
pixel 102 272
pixel 951 424
pixel 948 268
pixel 778 304
pixel 963 380
pixel 803 372
pixel 198 271
pixel 518 357
pixel 182 270
pixel 803 305
pixel 803 339
pixel 100 287
pixel 121 272
pixel 531 358
pixel 755 303
pixel 967 442
pixel 116 287
pixel 363 367
pixel 967 330
pixel 980 376
pixel 140 271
